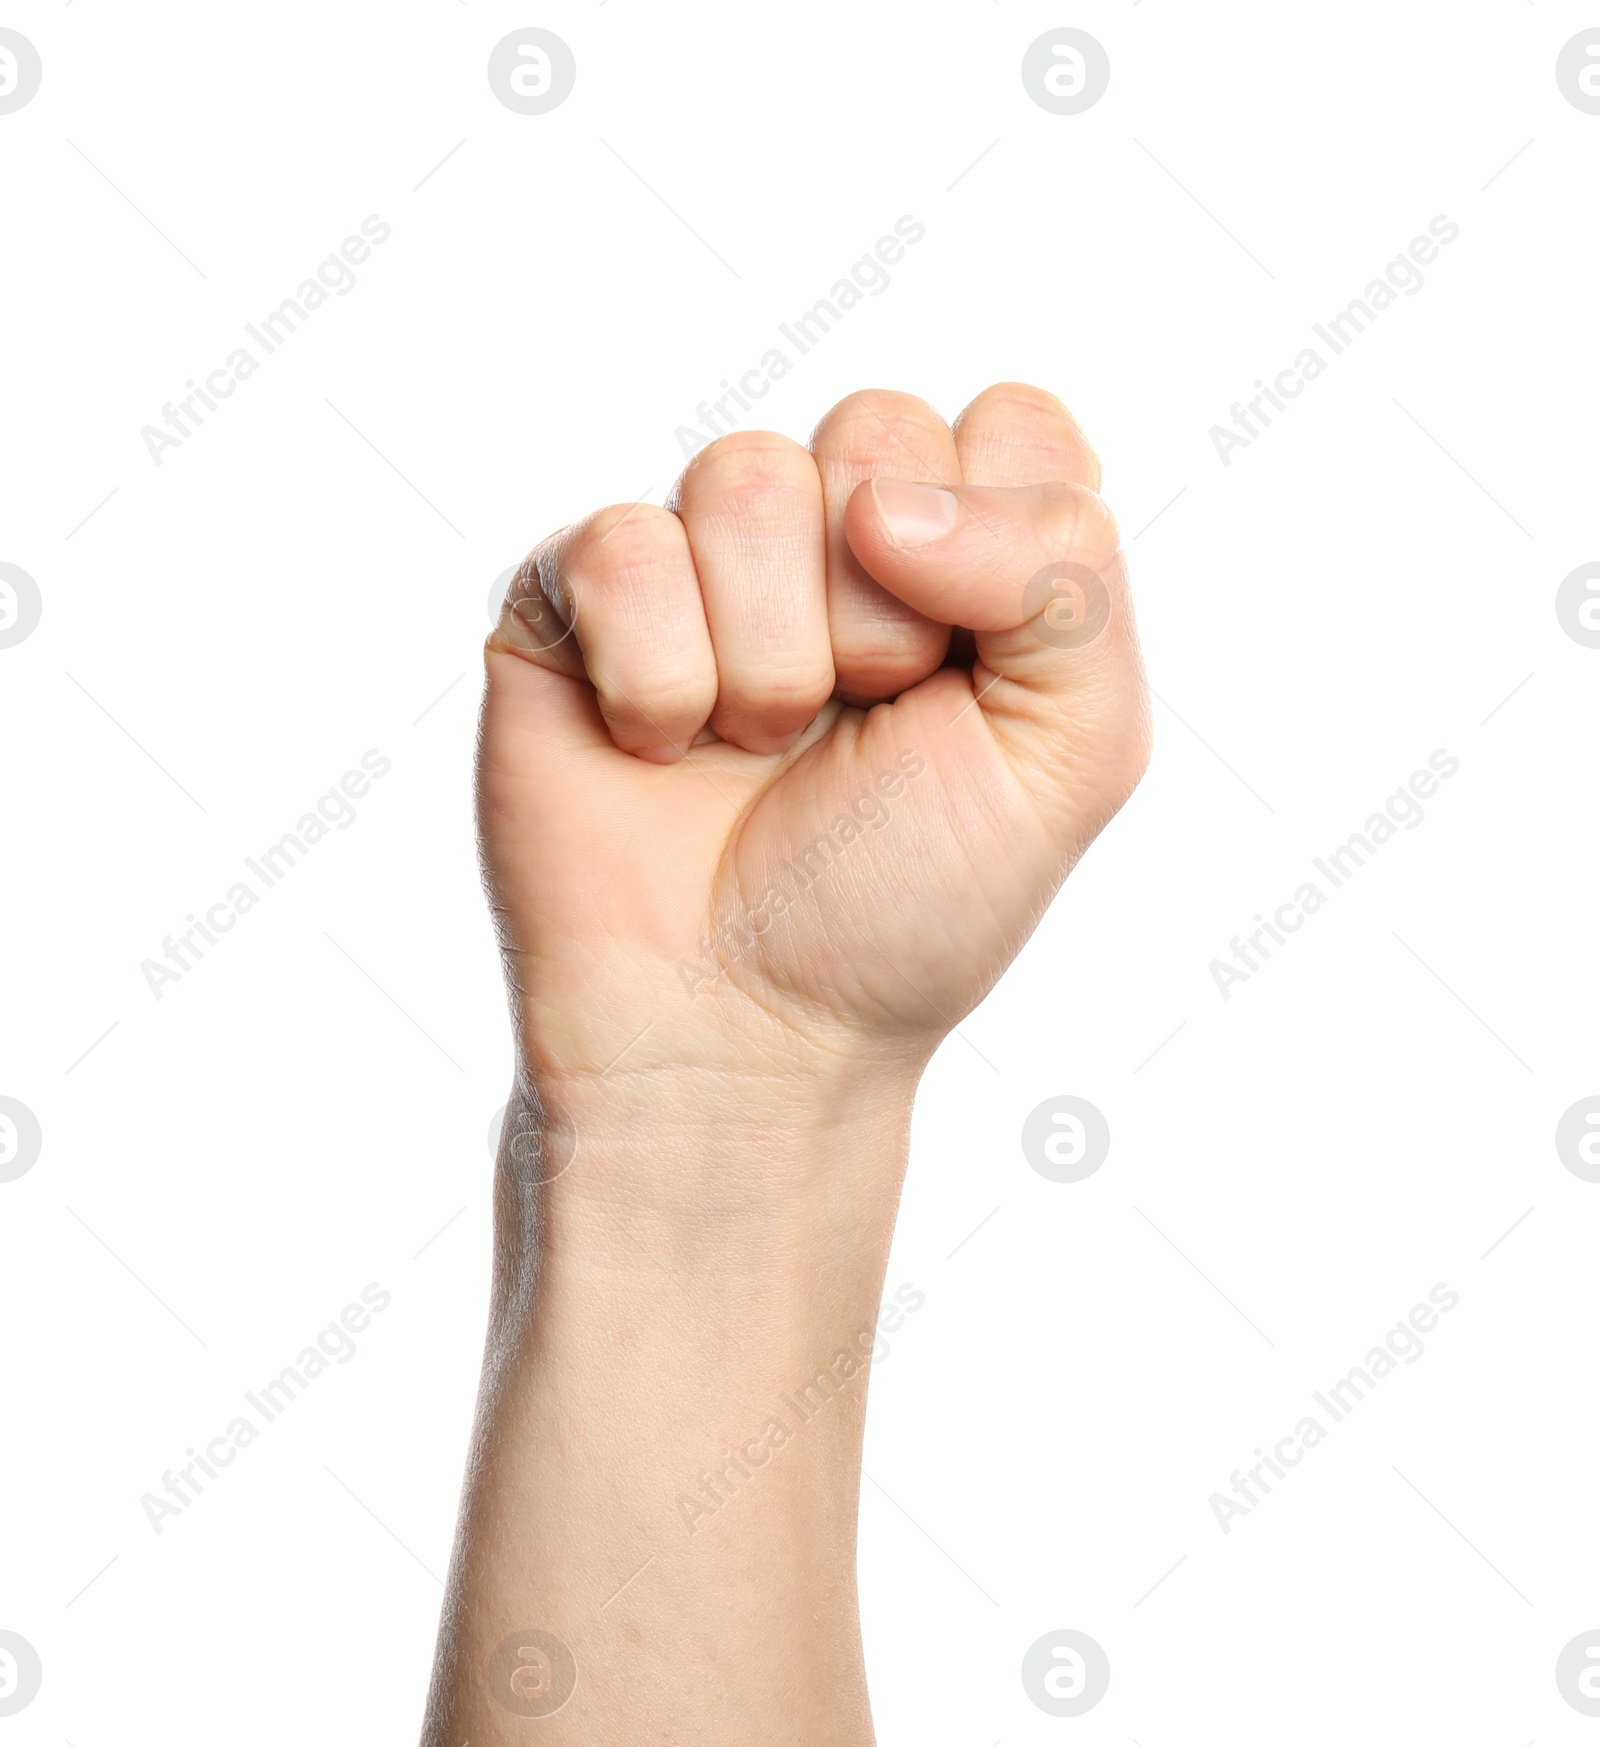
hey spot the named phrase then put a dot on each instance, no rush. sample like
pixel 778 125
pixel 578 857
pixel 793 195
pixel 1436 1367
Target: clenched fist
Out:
pixel 773 785
pixel 791 768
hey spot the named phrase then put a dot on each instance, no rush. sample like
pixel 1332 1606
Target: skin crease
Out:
pixel 752 849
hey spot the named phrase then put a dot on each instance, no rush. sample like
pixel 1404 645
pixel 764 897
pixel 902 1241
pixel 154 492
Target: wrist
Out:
pixel 685 1139
pixel 741 1186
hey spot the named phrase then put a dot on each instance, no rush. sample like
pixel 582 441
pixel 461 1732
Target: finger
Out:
pixel 533 622
pixel 615 598
pixel 968 557
pixel 1016 435
pixel 881 646
pixel 1037 572
pixel 752 506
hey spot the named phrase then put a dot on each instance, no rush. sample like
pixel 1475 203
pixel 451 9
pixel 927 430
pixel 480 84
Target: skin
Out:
pixel 723 999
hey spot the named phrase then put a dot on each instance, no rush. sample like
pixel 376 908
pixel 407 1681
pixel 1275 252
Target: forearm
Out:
pixel 667 1457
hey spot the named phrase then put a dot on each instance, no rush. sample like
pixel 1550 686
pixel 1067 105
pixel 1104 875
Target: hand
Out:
pixel 773 785
pixel 785 774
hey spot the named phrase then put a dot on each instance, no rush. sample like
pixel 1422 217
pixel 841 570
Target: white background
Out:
pixel 307 577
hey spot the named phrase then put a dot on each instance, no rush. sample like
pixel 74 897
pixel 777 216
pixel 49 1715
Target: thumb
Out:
pixel 1037 573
